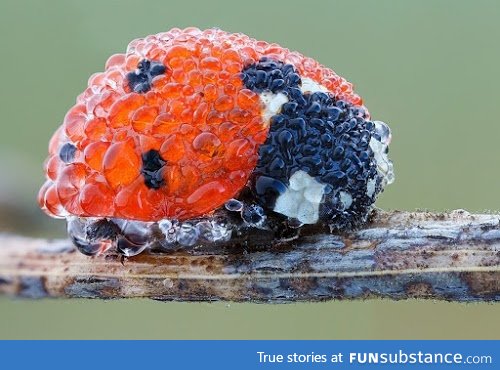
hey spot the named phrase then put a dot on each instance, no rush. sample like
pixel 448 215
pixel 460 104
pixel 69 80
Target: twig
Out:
pixel 398 255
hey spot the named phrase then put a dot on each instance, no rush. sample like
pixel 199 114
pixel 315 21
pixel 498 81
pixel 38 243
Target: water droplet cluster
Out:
pixel 95 235
pixel 179 125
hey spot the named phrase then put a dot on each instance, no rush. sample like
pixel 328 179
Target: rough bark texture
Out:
pixel 398 255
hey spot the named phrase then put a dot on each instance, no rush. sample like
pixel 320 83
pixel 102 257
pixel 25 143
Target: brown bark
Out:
pixel 397 255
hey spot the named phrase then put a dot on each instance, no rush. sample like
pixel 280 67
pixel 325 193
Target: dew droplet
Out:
pixel 253 215
pixel 187 235
pixel 212 231
pixel 234 205
pixel 137 232
pixel 129 249
pixel 168 283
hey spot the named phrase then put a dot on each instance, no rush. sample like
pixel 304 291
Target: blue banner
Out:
pixel 254 354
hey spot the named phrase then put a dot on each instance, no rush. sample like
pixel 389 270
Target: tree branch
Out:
pixel 398 255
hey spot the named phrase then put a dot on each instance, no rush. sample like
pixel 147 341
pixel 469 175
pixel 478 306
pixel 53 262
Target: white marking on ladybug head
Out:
pixel 370 187
pixel 310 86
pixel 302 198
pixel 380 147
pixel 272 104
pixel 345 199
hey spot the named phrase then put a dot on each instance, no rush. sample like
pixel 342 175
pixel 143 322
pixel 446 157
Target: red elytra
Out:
pixel 198 115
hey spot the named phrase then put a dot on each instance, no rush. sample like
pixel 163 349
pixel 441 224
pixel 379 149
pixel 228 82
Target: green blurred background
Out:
pixel 428 68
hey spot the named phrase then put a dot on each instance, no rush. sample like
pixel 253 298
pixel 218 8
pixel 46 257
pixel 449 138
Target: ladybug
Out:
pixel 191 127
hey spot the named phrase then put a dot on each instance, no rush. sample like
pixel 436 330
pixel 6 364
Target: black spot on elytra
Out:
pixel 140 80
pixel 152 169
pixel 67 153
